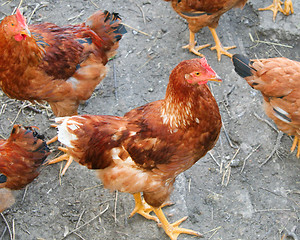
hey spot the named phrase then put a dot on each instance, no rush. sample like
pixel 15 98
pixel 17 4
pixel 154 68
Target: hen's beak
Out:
pixel 26 31
pixel 215 78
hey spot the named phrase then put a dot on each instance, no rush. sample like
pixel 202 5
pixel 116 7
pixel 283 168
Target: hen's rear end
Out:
pixel 21 155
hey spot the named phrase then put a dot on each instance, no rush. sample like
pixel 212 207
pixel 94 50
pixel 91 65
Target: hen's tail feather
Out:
pixel 119 29
pixel 30 140
pixel 242 65
pixel 107 26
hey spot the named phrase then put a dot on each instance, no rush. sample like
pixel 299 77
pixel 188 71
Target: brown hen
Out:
pixel 278 79
pixel 21 155
pixel 205 13
pixel 146 149
pixel 61 65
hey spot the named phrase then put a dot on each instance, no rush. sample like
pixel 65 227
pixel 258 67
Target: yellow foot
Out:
pixel 52 140
pixel 288 7
pixel 63 157
pixel 275 7
pixel 220 50
pixel 192 48
pixel 172 230
pixel 142 208
pixel 295 143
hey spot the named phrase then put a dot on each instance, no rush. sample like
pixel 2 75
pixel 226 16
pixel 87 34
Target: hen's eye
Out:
pixel 3 178
pixel 197 73
pixel 13 24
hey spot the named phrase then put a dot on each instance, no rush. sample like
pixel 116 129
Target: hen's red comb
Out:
pixel 204 64
pixel 20 18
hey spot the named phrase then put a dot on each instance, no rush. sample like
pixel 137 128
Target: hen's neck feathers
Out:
pixel 181 107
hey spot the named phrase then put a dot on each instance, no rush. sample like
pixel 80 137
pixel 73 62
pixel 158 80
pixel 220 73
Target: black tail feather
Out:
pixel 242 65
pixel 120 29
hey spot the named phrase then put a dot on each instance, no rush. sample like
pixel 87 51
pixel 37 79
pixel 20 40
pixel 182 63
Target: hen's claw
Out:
pixel 192 45
pixel 63 157
pixel 276 6
pixel 288 7
pixel 172 230
pixel 295 143
pixel 142 208
pixel 219 48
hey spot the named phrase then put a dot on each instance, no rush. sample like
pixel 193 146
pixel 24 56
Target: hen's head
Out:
pixel 15 26
pixel 199 72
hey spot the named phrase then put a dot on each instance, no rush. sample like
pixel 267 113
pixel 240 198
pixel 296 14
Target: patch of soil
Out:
pixel 228 194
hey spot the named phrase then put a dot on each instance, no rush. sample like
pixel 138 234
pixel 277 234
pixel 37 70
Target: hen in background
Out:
pixel 60 65
pixel 276 6
pixel 278 79
pixel 205 13
pixel 146 149
pixel 21 155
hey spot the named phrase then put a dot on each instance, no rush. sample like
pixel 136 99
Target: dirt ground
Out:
pixel 228 194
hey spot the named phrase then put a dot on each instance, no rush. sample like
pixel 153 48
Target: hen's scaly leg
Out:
pixel 142 208
pixel 172 230
pixel 219 48
pixel 191 45
pixel 295 143
pixel 63 157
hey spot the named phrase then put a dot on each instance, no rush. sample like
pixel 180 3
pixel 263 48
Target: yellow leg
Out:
pixel 219 48
pixel 288 7
pixel 172 230
pixel 191 45
pixel 142 208
pixel 295 143
pixel 63 157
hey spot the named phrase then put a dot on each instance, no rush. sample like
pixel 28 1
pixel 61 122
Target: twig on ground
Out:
pixel 269 43
pixel 215 160
pixel 126 25
pixel 94 4
pixel 115 81
pixel 73 19
pixel 227 171
pixel 150 58
pixel 228 138
pixel 76 229
pixel 4 231
pixel 143 14
pixel 24 195
pixel 115 207
pixel 34 10
pixel 278 140
pixel 244 163
pixel 7 225
pixel 80 216
pixel 266 121
pixel 290 234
